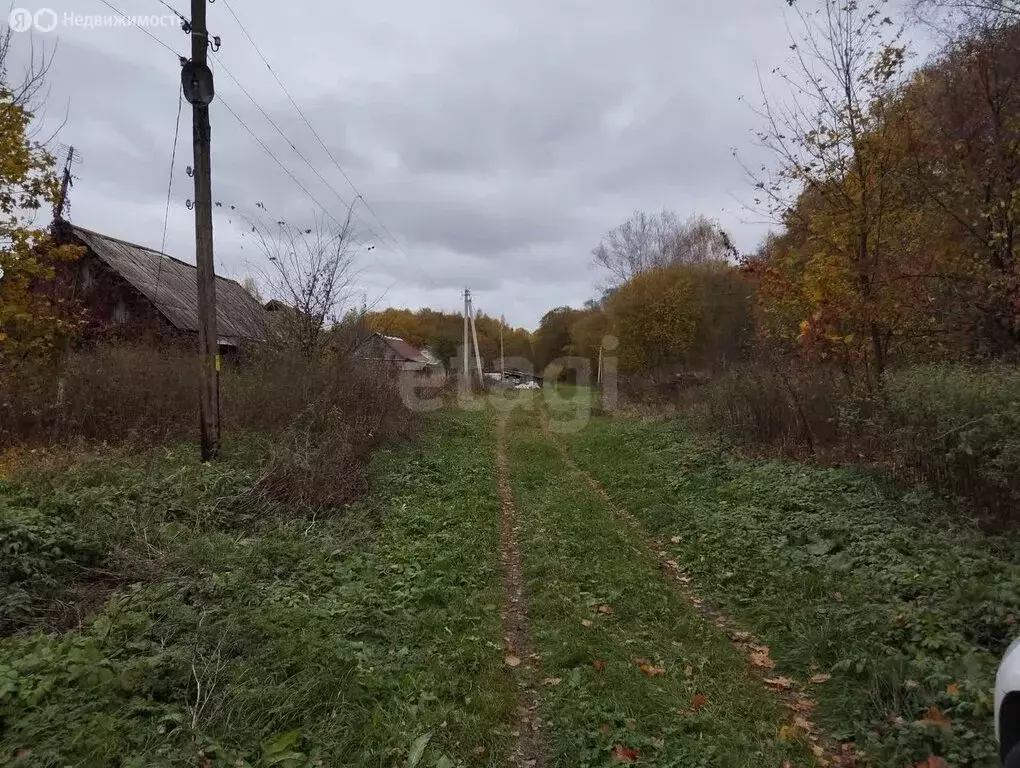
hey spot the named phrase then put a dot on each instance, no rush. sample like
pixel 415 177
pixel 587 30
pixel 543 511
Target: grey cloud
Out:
pixel 496 140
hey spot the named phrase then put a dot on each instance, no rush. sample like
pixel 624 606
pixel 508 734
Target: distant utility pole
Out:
pixel 478 357
pixel 197 81
pixel 502 357
pixel 467 340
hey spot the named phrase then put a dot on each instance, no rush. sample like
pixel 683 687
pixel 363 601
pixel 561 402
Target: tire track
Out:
pixel 827 750
pixel 521 659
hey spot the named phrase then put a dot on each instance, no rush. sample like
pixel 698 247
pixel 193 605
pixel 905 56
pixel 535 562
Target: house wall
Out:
pixel 114 309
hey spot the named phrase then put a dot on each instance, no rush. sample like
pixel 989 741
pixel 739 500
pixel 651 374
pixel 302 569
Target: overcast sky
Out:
pixel 496 139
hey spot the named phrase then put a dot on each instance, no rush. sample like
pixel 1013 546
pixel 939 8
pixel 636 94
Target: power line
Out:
pixel 184 20
pixel 350 206
pixel 277 160
pixel 315 133
pixel 143 29
pixel 169 190
pixel 257 139
pixel 297 151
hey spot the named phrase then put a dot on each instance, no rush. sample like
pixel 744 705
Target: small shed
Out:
pixel 133 291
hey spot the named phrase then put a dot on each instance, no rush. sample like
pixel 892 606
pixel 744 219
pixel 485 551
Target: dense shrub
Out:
pixel 114 393
pixel 953 427
pixel 956 428
pixel 37 554
pixel 323 416
pixel 796 410
pixel 318 457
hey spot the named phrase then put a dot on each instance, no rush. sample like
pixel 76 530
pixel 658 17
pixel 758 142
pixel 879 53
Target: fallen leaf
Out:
pixel 823 678
pixel 818 751
pixel 801 704
pixel 622 754
pixel 658 743
pixel 512 661
pixel 760 657
pixel 677 539
pixel 953 689
pixel 837 596
pixel 605 728
pixel 480 749
pixel 786 733
pixel 741 637
pixel 688 671
pixel 1010 619
pixel 631 724
pixel 932 762
pixel 799 721
pixel 606 610
pixel 779 683
pixel 910 685
pixel 587 622
pixel 650 669
pixel 22 753
pixel 698 702
pixel 599 665
pixel 935 716
pixel 552 681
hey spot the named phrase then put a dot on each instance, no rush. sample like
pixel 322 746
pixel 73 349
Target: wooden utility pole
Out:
pixel 502 356
pixel 467 340
pixel 208 349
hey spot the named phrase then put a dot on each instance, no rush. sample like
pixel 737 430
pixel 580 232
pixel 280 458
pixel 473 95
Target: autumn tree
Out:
pixel 552 339
pixel 588 333
pixel 963 127
pixel 442 333
pixel 984 12
pixel 651 241
pixel 36 314
pixel 654 315
pixel 834 179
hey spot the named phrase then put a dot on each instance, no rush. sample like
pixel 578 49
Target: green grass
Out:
pixel 577 556
pixel 835 570
pixel 243 636
pixel 224 631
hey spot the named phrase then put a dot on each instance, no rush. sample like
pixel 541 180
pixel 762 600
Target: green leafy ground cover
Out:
pixel 837 571
pixel 243 636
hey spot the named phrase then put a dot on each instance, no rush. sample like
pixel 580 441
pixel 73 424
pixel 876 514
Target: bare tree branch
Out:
pixel 310 274
pixel 646 242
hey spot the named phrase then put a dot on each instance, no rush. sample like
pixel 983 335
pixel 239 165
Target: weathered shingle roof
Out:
pixel 173 288
pixel 405 350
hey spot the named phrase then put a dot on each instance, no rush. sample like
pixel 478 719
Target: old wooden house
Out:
pixel 133 292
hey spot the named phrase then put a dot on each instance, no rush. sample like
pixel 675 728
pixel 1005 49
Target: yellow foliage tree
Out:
pixel 655 316
pixel 34 317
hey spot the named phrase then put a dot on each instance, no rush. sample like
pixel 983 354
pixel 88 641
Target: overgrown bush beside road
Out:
pixel 305 426
pixel 140 395
pixel 955 428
